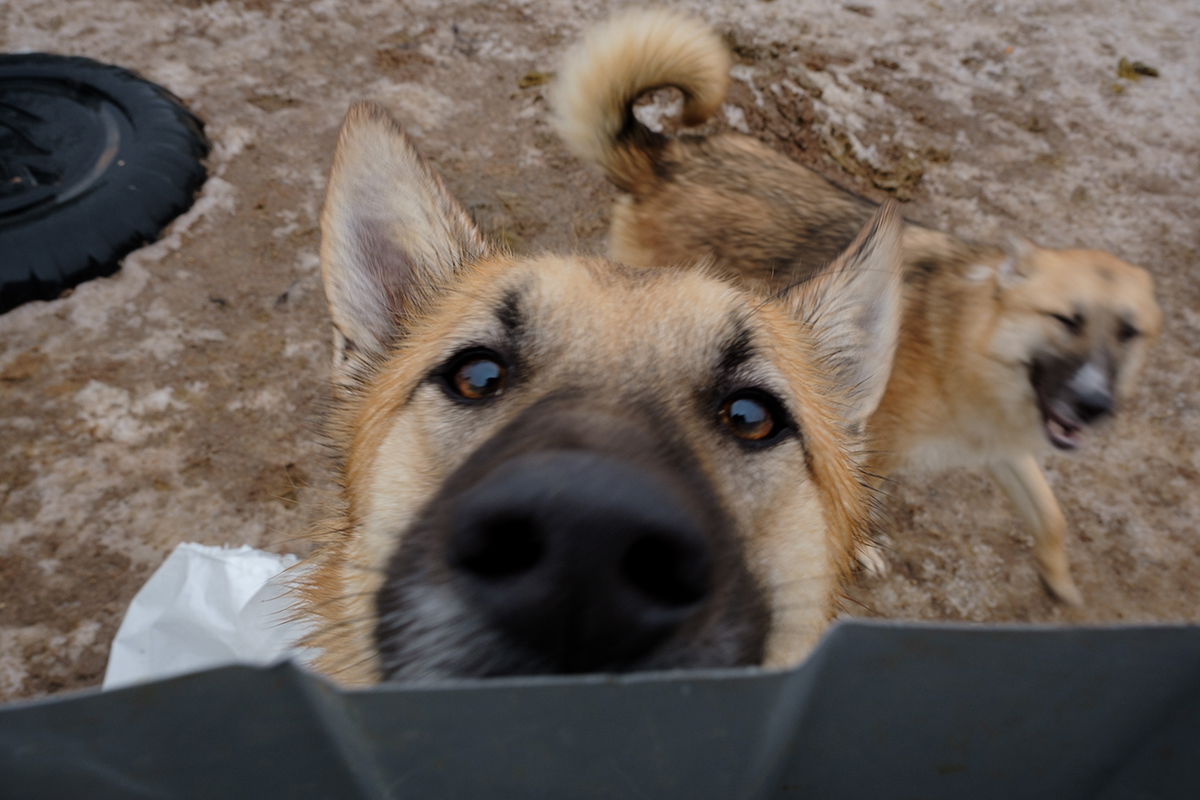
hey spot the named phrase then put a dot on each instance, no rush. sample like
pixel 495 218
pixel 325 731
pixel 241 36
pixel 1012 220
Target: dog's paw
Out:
pixel 1062 587
pixel 1055 572
pixel 870 558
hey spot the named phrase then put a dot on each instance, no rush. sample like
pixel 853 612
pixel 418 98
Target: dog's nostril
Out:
pixel 503 547
pixel 666 570
pixel 1093 405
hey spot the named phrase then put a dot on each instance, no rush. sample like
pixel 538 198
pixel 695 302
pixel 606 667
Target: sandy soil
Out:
pixel 180 400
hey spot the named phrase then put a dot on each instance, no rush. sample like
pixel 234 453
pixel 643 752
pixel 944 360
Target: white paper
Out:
pixel 205 607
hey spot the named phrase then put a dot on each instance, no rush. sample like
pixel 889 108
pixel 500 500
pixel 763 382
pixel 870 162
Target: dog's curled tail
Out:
pixel 628 55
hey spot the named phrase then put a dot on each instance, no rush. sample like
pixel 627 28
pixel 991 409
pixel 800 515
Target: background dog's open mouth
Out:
pixel 1062 430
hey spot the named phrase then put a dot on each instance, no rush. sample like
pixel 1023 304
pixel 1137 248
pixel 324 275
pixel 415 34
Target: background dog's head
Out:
pixel 563 464
pixel 1080 323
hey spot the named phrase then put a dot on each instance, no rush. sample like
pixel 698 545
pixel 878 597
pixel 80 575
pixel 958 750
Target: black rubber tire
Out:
pixel 94 162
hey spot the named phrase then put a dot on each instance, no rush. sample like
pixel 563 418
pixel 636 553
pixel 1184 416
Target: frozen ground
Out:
pixel 180 400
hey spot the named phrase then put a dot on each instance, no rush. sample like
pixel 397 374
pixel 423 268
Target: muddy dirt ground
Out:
pixel 181 399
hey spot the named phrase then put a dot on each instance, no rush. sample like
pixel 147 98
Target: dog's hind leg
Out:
pixel 1026 486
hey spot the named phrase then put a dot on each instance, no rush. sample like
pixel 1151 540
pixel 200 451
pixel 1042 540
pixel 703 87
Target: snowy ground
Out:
pixel 180 400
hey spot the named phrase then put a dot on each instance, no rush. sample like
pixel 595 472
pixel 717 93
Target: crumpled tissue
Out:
pixel 205 607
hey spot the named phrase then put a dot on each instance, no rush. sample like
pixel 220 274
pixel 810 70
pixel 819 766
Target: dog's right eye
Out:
pixel 753 417
pixel 1126 332
pixel 476 376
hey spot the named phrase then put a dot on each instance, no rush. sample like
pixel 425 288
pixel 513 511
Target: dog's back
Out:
pixel 770 219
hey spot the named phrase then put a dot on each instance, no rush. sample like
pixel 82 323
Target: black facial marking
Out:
pixel 737 350
pixel 510 315
pixel 1072 390
pixel 1050 372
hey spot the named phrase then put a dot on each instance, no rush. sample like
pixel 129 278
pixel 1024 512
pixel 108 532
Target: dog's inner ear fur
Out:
pixel 391 236
pixel 854 308
pixel 1018 260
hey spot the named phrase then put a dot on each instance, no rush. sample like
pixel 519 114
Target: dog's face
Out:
pixel 1078 324
pixel 563 464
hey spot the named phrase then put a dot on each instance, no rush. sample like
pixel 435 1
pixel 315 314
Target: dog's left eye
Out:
pixel 1073 324
pixel 752 416
pixel 477 376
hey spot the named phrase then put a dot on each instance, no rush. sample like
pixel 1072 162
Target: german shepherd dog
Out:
pixel 1002 349
pixel 562 464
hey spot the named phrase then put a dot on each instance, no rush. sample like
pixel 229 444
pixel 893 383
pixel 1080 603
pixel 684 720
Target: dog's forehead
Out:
pixel 629 314
pixel 1099 281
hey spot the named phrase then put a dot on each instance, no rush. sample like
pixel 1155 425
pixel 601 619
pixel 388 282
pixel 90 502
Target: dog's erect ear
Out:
pixel 854 308
pixel 1018 260
pixel 391 236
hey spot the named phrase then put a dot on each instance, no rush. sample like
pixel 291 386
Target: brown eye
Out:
pixel 750 416
pixel 1126 332
pixel 477 377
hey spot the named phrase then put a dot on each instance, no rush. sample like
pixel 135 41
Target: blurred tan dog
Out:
pixel 1001 350
pixel 559 464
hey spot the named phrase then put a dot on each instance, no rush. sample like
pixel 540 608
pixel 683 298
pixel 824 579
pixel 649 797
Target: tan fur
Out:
pixel 974 317
pixel 410 282
pixel 634 51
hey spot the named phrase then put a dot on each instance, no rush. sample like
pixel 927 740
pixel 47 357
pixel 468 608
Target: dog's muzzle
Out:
pixel 573 542
pixel 1071 395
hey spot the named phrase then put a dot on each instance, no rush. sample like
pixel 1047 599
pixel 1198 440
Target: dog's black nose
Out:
pixel 586 561
pixel 1090 406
